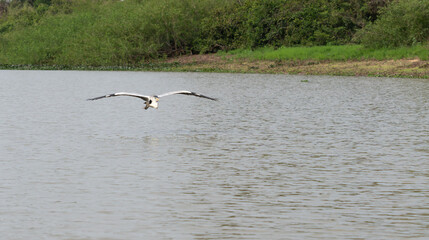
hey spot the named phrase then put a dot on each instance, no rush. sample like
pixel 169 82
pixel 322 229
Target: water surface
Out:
pixel 275 158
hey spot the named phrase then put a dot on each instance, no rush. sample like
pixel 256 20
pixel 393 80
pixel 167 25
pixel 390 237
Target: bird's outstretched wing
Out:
pixel 186 93
pixel 146 98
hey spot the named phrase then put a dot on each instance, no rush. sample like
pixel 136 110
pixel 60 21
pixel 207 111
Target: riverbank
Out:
pixel 413 68
pixel 294 37
pixel 408 68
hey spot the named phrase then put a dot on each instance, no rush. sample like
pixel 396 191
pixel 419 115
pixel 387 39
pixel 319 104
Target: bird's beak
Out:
pixel 157 99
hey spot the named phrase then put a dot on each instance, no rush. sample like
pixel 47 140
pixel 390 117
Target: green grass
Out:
pixel 337 53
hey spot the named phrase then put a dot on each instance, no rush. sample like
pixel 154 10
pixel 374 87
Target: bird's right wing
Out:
pixel 146 98
pixel 185 92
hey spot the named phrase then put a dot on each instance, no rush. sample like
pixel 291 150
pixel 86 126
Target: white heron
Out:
pixel 152 101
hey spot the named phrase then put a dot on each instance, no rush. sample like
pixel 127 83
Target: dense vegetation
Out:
pixel 111 32
pixel 403 23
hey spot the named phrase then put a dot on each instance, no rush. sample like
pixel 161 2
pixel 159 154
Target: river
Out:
pixel 277 157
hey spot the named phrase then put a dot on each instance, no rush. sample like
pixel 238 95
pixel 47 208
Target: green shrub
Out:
pixel 44 43
pixel 258 23
pixel 402 23
pixel 131 32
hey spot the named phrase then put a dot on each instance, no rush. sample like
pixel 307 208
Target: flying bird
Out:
pixel 152 101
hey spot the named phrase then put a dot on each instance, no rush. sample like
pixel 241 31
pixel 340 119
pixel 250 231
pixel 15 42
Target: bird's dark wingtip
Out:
pixel 211 98
pixel 96 98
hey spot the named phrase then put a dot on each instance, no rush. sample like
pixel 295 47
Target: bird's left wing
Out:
pixel 185 92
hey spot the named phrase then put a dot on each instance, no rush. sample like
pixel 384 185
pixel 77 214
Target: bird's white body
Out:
pixel 152 101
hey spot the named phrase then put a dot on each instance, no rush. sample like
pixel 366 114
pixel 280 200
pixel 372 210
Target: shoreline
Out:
pixel 404 68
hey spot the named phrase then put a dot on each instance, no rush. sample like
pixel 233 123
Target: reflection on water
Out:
pixel 275 158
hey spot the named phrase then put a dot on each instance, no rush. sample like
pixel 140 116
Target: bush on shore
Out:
pixel 403 23
pixel 258 23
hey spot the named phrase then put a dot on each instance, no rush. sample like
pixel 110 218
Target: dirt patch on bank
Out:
pixel 202 58
pixel 387 68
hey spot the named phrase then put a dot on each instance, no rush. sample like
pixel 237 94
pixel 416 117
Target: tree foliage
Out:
pixel 256 23
pixel 403 23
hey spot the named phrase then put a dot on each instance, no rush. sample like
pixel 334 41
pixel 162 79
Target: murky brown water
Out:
pixel 275 158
